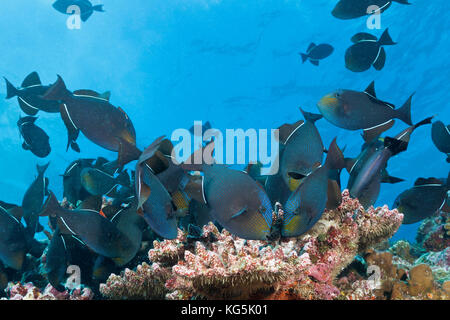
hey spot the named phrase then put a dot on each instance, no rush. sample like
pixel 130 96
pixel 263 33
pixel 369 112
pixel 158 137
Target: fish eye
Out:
pixel 337 95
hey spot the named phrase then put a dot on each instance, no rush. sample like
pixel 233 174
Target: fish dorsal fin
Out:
pixel 370 134
pixel 424 181
pixel 363 36
pixel 286 130
pixel 91 93
pixel 311 46
pixel 91 203
pixel 371 90
pixel 312 117
pixel 31 80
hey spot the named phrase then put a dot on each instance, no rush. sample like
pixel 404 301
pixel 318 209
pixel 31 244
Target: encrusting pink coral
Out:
pixel 223 266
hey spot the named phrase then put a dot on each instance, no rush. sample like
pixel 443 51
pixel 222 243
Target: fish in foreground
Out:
pixel 440 134
pixel 354 110
pixel 97 232
pixel 100 121
pixel 368 170
pixel 303 150
pixel 351 9
pixel 423 200
pixel 29 95
pixel 367 51
pixel 315 53
pixel 13 242
pixel 73 190
pixel 307 203
pixel 237 202
pixel 35 139
pixel 33 200
pixel 85 6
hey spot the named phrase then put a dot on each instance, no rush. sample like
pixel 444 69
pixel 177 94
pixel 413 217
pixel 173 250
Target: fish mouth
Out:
pixel 328 101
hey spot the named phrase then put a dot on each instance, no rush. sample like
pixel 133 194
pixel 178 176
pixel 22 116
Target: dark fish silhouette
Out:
pixel 351 9
pixel 56 261
pixel 367 51
pixel 86 7
pixel 101 122
pixel 303 151
pixel 238 202
pixel 29 95
pixel 315 53
pixel 440 134
pixel 35 139
pixel 307 203
pixel 13 242
pixel 98 182
pixel 33 200
pixel 423 200
pixel 97 232
pixel 368 171
pixel 354 110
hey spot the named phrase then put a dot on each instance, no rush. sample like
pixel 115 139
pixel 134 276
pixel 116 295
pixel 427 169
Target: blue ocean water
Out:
pixel 232 62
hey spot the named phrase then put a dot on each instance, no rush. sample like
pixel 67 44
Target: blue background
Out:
pixel 233 62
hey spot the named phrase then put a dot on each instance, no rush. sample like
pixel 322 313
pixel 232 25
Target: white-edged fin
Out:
pixel 117 213
pixel 29 105
pixel 79 240
pixel 64 242
pixel 70 118
pixel 287 140
pixel 68 228
pixel 203 190
pixel 378 125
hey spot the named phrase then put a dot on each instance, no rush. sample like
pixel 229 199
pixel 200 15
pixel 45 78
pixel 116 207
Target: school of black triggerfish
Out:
pixel 162 195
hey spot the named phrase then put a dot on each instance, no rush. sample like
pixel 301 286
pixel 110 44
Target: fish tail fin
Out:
pixel 11 91
pixel 42 169
pixel 335 158
pixel 127 153
pixel 123 179
pixel 396 146
pixel 58 91
pixel 98 8
pixel 385 39
pixel 404 113
pixel 50 206
pixel 402 1
pixel 304 57
pixel 313 117
pixel 423 122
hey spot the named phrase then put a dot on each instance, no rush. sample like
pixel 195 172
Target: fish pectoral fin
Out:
pixel 239 213
pixel 378 64
pixel 314 62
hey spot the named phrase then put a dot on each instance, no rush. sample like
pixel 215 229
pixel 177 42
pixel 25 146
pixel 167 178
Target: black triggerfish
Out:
pixel 100 121
pixel 35 138
pixel 351 9
pixel 85 6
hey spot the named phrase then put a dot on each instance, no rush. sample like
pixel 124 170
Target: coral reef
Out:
pixel 433 234
pixel 222 266
pixel 28 291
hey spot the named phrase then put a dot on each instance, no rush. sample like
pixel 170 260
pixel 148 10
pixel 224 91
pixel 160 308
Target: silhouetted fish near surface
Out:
pixel 315 53
pixel 13 244
pixel 33 200
pixel 307 203
pixel 351 9
pixel 29 95
pixel 423 200
pixel 85 6
pixel 238 202
pixel 98 182
pixel 303 150
pixel 35 139
pixel 440 134
pixel 101 122
pixel 97 232
pixel 353 110
pixel 367 51
pixel 73 190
